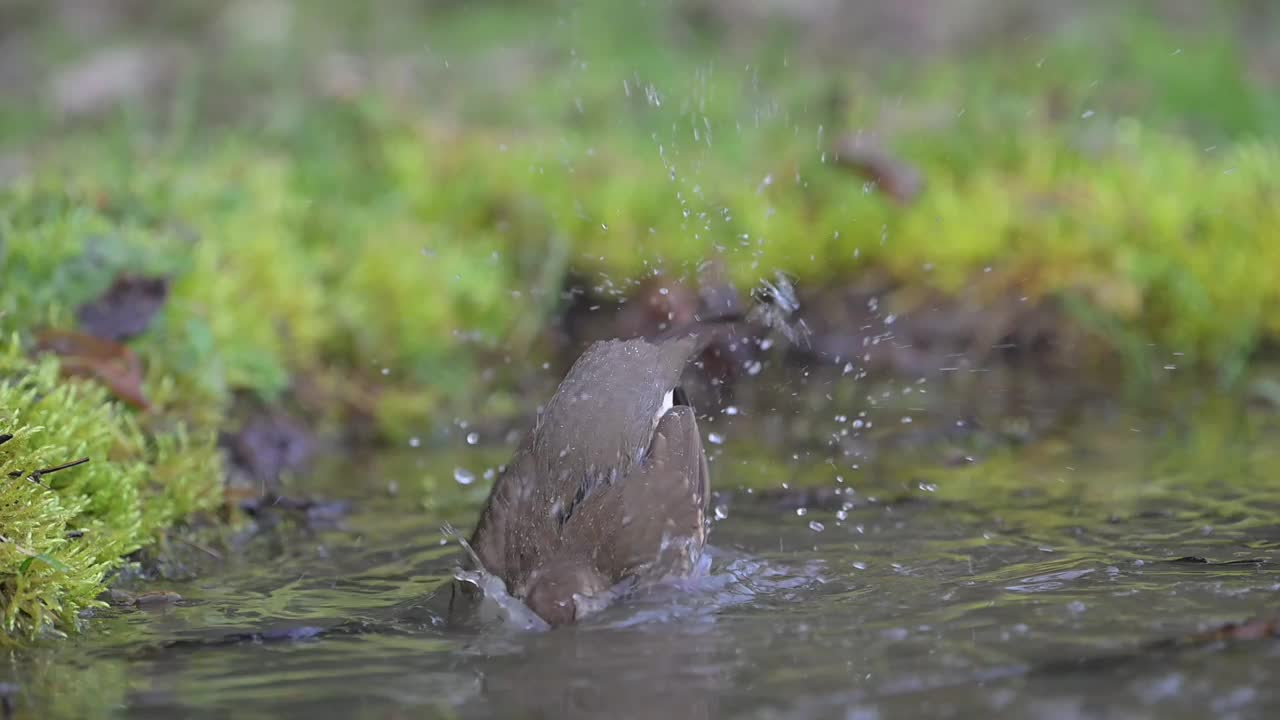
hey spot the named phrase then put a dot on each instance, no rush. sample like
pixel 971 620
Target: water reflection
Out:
pixel 661 671
pixel 1026 584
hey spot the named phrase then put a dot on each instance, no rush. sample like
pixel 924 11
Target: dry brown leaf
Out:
pixel 114 365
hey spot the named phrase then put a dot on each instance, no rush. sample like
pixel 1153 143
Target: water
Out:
pixel 1023 584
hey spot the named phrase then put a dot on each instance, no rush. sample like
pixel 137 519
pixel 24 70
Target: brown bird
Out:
pixel 609 490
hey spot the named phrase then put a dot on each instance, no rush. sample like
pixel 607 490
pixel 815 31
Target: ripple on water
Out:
pixel 994 595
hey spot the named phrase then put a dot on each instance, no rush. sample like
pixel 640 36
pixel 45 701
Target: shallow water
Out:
pixel 1022 584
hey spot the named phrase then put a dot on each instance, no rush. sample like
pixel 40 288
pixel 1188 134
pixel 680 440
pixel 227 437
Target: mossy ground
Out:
pixel 376 202
pixel 64 531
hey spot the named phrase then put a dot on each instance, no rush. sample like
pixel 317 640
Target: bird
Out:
pixel 608 492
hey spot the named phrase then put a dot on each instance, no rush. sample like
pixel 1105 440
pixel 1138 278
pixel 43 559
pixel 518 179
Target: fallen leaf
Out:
pixel 126 309
pixel 111 363
pixel 873 162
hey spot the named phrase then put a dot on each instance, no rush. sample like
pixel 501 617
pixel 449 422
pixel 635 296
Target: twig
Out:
pixel 38 475
pixel 56 468
pixel 206 550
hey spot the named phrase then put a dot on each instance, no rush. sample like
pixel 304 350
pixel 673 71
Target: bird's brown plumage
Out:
pixel 603 491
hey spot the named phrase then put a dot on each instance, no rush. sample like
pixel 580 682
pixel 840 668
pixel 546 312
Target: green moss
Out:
pixel 320 234
pixel 282 269
pixel 63 534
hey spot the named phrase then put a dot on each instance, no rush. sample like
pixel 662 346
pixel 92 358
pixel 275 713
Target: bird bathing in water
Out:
pixel 608 492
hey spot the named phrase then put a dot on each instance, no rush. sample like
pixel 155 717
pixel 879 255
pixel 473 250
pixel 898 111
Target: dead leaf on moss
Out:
pixel 126 309
pixel 114 365
pixel 871 160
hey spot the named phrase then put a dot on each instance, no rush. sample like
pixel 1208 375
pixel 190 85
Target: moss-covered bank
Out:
pixel 63 531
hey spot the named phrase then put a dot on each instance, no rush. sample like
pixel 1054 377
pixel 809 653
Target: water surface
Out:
pixel 893 573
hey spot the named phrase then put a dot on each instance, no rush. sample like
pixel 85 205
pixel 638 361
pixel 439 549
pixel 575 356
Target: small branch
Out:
pixel 38 475
pixel 64 466
pixel 206 550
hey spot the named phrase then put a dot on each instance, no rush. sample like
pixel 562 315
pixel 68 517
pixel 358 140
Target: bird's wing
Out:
pixel 653 522
pixel 602 415
pixel 590 436
pixel 514 526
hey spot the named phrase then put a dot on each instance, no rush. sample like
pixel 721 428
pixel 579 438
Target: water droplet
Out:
pixel 816 526
pixel 722 512
pixel 715 438
pixel 802 511
pixel 895 634
pixel 473 438
pixel 859 565
pixel 464 476
pixel 731 410
pixel 415 441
